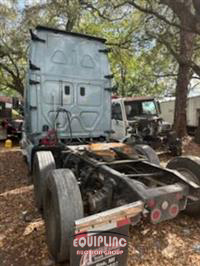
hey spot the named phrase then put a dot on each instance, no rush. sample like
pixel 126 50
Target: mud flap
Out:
pixel 102 255
pixel 102 239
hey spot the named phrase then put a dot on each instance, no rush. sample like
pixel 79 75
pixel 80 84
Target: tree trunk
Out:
pixel 123 83
pixel 19 86
pixel 186 50
pixel 180 118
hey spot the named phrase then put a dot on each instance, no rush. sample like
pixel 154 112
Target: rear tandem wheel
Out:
pixel 62 206
pixel 188 166
pixel 43 163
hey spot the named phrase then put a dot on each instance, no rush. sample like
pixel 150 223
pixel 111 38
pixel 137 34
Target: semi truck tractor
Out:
pixel 138 119
pixel 83 182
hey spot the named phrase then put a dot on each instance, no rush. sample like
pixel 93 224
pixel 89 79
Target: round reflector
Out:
pixel 174 210
pixel 155 215
pixel 165 205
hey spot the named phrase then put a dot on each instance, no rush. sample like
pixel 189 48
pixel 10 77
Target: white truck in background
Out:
pixel 138 120
pixel 167 107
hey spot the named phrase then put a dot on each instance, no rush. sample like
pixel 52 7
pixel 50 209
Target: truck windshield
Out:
pixel 137 108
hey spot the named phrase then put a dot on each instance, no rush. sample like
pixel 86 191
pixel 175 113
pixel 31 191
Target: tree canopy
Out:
pixel 154 44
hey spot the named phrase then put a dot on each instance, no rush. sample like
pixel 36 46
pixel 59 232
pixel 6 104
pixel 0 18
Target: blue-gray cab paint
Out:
pixel 67 70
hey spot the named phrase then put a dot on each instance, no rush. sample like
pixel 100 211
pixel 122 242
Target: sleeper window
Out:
pixel 82 91
pixel 67 90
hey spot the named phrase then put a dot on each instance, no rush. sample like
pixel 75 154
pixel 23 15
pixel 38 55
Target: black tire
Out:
pixel 189 166
pixel 43 163
pixel 148 153
pixel 62 206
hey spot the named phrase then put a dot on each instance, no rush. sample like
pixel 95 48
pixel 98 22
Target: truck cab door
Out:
pixel 118 124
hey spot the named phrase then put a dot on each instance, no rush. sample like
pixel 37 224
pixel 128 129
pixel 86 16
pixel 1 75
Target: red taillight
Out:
pixel 155 215
pixel 174 210
pixel 151 203
pixel 121 223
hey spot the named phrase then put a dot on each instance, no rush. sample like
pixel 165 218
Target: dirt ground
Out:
pixel 22 233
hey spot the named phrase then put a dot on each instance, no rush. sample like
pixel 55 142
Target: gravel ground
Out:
pixel 22 233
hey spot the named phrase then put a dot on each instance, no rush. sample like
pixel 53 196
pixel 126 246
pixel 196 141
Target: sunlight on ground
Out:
pixel 33 226
pixel 16 191
pixel 175 244
pixel 2 236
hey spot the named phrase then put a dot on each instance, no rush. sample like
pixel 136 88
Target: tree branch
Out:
pixel 6 68
pixel 162 39
pixel 100 14
pixel 179 9
pixel 165 75
pixel 152 12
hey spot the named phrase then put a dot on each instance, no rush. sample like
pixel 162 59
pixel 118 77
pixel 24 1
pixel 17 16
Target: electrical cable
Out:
pixel 58 111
